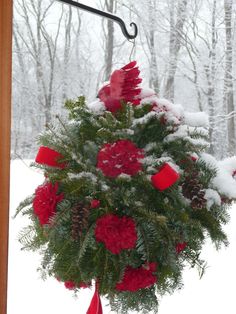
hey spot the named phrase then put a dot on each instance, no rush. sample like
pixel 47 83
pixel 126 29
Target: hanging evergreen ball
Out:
pixel 129 196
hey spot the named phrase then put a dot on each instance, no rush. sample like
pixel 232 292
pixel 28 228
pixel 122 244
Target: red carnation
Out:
pixel 120 157
pixel 180 247
pixel 138 278
pixel 116 233
pixel 95 203
pixel 71 285
pixel 45 201
pixel 84 285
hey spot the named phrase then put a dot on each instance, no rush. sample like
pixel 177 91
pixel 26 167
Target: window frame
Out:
pixel 6 12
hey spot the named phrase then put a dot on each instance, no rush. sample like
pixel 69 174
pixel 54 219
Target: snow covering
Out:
pixel 124 176
pixel 150 146
pixel 145 119
pixel 175 167
pixel 124 132
pixel 104 187
pixel 149 160
pixel 196 119
pixel 28 294
pixel 187 123
pixel 83 174
pixel 146 92
pixel 97 107
pixel 180 133
pixel 184 132
pixel 173 113
pixel 224 181
pixel 212 197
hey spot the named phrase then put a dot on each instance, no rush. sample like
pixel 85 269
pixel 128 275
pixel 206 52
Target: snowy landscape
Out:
pixel 28 293
pixel 183 50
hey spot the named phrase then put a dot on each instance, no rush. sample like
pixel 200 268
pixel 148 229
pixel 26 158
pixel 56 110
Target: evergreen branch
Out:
pixel 145 242
pixel 193 259
pixel 65 143
pixel 104 273
pixel 151 216
pixel 74 143
pixel 27 202
pixel 85 242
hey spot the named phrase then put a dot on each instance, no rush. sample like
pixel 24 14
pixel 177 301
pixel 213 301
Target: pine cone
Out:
pixel 193 190
pixel 190 187
pixel 199 202
pixel 79 220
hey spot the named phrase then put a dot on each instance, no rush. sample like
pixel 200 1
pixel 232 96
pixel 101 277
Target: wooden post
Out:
pixel 5 124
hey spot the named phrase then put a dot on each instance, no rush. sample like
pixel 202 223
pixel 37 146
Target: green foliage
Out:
pixel 163 219
pixel 126 301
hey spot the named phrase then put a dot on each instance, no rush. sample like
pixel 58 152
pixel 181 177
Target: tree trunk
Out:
pixel 228 77
pixel 154 79
pixel 176 29
pixel 67 48
pixel 110 6
pixel 211 75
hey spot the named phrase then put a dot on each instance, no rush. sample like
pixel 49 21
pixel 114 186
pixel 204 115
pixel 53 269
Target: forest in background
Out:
pixel 185 50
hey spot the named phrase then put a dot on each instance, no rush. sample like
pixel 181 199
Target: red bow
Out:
pixel 49 157
pixel 166 177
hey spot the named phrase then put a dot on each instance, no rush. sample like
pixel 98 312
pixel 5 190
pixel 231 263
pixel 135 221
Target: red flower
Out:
pixel 120 157
pixel 71 285
pixel 95 204
pixel 45 201
pixel 123 86
pixel 138 278
pixel 84 285
pixel 116 233
pixel 180 247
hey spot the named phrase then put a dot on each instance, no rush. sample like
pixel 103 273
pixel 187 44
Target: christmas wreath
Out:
pixel 129 195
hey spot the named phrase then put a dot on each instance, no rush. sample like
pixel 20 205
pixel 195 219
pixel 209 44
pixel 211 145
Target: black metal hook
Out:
pixel 107 15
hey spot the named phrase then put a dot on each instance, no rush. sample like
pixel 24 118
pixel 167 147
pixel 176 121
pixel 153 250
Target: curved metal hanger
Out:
pixel 106 15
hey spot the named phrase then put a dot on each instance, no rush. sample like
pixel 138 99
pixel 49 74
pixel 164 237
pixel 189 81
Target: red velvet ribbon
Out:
pixel 166 177
pixel 96 304
pixel 49 157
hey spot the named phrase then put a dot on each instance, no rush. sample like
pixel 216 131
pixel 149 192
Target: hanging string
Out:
pixel 131 56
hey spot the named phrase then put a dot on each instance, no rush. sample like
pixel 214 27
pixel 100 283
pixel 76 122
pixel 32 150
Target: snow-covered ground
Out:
pixel 28 294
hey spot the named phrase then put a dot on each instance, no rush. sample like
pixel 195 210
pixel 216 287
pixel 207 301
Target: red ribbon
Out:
pixel 49 157
pixel 166 177
pixel 96 304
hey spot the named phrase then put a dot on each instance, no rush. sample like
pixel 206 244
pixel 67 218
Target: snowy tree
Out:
pixel 176 30
pixel 184 49
pixel 228 77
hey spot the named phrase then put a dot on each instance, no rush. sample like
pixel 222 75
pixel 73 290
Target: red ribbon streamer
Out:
pixel 95 305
